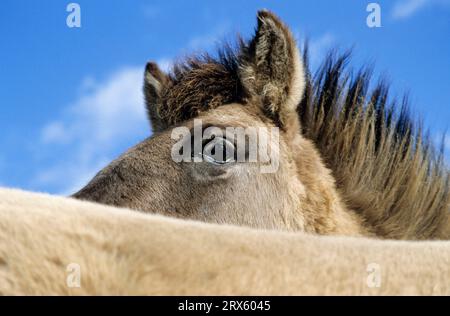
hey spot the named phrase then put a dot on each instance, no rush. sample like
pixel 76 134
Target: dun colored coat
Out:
pixel 349 163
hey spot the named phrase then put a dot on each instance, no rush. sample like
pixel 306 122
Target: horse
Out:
pixel 348 161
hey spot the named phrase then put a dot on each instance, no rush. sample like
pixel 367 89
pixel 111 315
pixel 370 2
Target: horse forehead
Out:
pixel 234 115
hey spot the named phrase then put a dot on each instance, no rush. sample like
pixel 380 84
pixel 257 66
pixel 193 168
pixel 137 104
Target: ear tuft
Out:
pixel 154 82
pixel 271 69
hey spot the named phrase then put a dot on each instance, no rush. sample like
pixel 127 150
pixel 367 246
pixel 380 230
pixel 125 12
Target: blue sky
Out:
pixel 71 97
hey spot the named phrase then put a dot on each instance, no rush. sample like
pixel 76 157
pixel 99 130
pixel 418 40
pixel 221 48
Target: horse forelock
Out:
pixel 201 83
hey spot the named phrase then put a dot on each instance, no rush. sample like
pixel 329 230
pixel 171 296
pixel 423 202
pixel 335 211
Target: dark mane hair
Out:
pixel 385 167
pixel 200 83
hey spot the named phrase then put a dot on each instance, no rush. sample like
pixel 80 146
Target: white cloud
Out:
pixel 92 129
pixel 208 40
pixel 55 132
pixel 165 64
pixel 404 9
pixel 72 175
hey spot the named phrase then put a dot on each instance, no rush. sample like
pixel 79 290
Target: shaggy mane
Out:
pixel 201 83
pixel 385 167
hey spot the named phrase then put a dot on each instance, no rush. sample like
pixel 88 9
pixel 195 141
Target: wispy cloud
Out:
pixel 404 9
pixel 319 47
pixel 107 116
pixel 209 39
pixel 101 110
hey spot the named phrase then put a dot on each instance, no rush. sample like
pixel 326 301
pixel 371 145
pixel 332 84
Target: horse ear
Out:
pixel 155 82
pixel 271 70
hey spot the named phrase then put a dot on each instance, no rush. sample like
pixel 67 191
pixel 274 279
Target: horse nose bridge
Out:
pixel 119 184
pixel 144 169
pixel 141 170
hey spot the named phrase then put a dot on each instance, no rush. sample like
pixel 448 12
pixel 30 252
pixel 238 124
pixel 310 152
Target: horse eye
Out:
pixel 219 151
